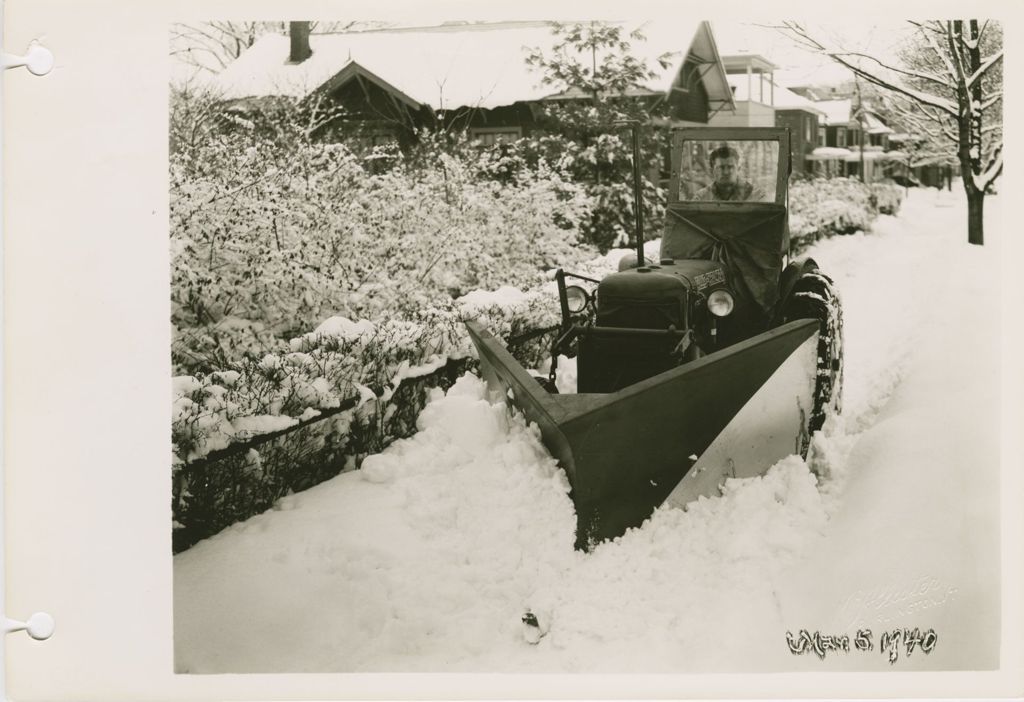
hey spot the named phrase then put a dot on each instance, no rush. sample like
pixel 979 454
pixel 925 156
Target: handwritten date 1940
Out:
pixel 890 643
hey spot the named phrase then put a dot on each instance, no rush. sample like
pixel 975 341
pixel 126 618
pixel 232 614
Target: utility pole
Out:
pixel 860 121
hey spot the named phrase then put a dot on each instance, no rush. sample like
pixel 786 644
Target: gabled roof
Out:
pixel 451 66
pixel 874 125
pixel 841 112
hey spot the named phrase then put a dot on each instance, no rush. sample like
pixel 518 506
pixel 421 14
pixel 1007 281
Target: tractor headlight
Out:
pixel 577 298
pixel 720 303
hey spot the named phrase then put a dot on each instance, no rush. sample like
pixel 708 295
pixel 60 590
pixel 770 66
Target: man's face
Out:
pixel 725 170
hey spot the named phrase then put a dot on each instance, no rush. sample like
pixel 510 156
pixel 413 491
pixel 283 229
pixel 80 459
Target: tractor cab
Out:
pixel 716 281
pixel 727 203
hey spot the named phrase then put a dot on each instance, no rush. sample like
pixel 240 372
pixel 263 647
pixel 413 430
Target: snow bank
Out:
pixel 917 450
pixel 428 558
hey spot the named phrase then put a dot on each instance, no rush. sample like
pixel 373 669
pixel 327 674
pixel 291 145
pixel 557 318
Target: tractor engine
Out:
pixel 651 319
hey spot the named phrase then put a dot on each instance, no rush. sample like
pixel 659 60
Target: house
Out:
pixel 852 139
pixel 472 76
pixel 760 102
pixel 805 121
pixel 751 80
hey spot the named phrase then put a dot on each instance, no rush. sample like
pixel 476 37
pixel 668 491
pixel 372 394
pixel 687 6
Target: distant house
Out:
pixel 851 138
pixel 470 76
pixel 752 84
pixel 760 102
pixel 805 120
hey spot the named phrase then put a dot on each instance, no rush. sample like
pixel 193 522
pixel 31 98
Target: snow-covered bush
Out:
pixel 209 495
pixel 888 196
pixel 267 241
pixel 341 360
pixel 824 207
pixel 342 391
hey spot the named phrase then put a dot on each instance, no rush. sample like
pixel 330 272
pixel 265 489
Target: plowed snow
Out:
pixel 426 559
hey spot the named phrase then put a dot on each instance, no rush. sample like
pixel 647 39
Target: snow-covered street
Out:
pixel 427 558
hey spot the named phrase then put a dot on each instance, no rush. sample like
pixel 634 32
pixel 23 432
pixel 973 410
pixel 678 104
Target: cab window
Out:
pixel 728 171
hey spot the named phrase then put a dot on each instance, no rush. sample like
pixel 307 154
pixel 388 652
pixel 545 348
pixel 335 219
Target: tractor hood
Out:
pixel 654 296
pixel 664 278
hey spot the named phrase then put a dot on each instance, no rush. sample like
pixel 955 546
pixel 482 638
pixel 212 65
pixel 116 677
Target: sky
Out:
pixel 798 66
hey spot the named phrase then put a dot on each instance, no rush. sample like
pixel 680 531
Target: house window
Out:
pixel 368 139
pixel 489 136
pixel 808 130
pixel 821 136
pixel 841 137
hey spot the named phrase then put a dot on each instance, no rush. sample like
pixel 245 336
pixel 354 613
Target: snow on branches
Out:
pixel 949 87
pixel 268 241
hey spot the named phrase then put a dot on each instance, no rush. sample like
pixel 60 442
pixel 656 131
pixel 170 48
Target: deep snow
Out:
pixel 426 559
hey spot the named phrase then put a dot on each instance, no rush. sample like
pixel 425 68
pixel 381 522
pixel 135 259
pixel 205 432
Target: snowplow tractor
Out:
pixel 714 361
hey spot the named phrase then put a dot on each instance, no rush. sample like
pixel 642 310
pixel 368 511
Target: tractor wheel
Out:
pixel 814 297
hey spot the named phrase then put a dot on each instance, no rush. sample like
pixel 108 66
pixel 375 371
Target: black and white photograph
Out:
pixel 577 347
pixel 449 350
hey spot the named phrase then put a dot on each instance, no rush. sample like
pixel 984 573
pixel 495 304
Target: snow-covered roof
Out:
pixel 836 111
pixel 856 155
pixel 784 99
pixel 840 112
pixel 837 153
pixel 450 66
pixel 828 153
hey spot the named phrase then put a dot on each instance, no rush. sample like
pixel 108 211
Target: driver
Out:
pixel 727 185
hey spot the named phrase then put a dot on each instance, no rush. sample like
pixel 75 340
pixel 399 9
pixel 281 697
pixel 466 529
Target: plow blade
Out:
pixel 675 436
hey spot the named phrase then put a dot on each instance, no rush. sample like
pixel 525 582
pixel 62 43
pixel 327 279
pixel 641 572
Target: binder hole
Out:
pixel 40 626
pixel 39 61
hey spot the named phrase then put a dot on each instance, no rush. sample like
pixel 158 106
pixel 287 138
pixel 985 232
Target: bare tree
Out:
pixel 951 75
pixel 196 113
pixel 211 46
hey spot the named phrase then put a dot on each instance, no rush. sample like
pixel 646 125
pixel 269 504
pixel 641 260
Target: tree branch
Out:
pixel 986 64
pixel 954 53
pixel 929 33
pixel 991 100
pixel 938 80
pixel 836 55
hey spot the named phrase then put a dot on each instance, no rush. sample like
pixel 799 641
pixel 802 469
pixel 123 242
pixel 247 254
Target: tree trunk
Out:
pixel 975 216
pixel 969 133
